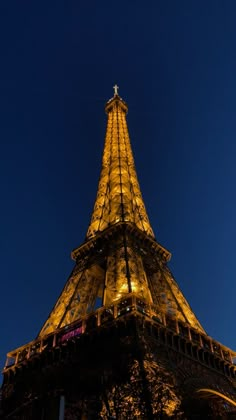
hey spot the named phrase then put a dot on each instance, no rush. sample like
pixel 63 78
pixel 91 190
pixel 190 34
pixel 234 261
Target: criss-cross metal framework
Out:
pixel 121 254
pixel 119 196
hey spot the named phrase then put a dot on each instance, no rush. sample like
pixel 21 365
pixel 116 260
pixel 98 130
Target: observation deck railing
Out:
pixel 131 303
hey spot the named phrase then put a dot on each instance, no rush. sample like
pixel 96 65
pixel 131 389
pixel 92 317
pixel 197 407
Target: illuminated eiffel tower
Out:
pixel 121 340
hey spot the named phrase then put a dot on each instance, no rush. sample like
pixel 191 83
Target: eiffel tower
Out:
pixel 121 341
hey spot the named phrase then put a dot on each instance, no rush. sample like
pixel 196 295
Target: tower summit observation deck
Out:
pixel 121 340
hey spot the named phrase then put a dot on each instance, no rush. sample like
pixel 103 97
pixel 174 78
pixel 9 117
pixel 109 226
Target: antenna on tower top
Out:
pixel 115 89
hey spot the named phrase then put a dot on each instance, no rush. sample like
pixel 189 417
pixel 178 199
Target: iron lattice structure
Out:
pixel 121 265
pixel 121 340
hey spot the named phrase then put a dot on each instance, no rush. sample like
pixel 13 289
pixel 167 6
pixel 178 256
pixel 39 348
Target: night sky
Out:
pixel 175 64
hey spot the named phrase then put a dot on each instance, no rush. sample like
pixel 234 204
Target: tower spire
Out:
pixel 119 197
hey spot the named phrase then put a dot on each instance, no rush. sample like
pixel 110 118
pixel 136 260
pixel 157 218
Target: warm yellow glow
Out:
pixel 119 197
pixel 121 268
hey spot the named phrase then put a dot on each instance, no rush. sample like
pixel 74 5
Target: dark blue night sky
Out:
pixel 175 63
